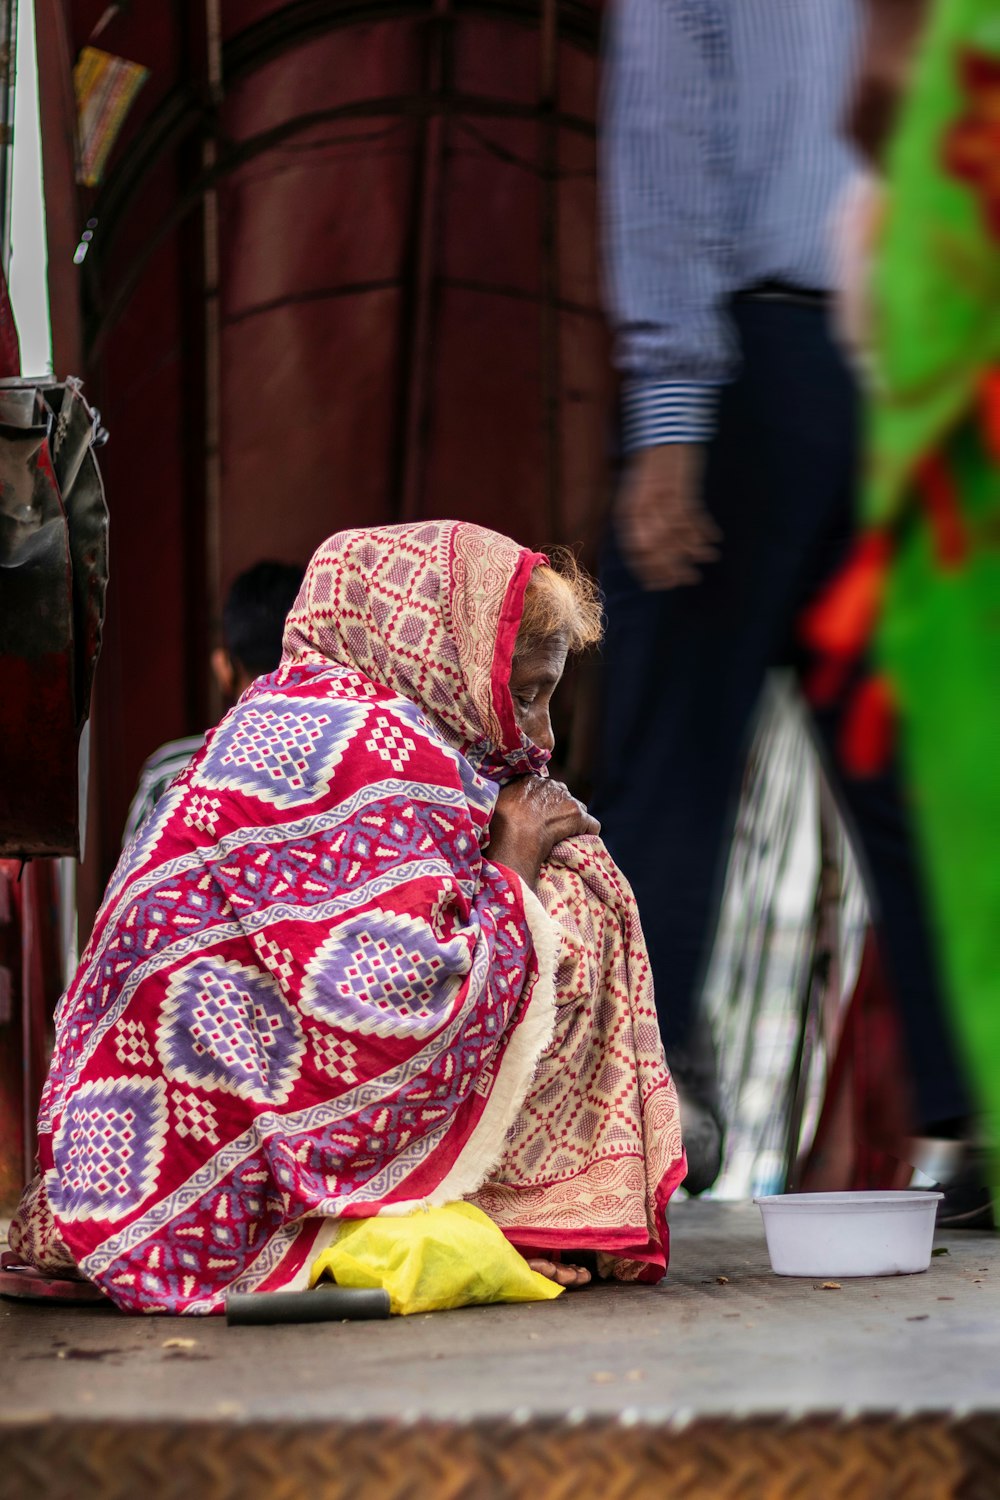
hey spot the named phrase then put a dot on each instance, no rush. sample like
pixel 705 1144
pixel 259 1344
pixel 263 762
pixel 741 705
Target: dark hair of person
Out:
pixel 253 616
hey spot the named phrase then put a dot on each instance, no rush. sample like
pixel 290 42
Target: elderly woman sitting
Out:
pixel 365 956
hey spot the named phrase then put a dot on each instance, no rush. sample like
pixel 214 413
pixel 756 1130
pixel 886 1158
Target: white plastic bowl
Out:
pixel 849 1234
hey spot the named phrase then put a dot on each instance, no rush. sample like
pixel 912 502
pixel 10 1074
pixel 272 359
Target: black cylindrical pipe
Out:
pixel 324 1305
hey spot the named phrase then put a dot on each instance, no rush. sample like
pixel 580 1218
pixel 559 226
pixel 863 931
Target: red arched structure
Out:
pixel 343 270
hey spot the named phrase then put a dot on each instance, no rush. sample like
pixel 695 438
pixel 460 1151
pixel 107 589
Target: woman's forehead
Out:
pixel 541 658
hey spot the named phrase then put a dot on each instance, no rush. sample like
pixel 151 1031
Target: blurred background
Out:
pixel 326 265
pixel 334 265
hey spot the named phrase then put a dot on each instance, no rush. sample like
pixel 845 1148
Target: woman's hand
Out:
pixel 532 815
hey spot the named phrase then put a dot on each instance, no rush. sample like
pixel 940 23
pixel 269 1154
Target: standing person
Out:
pixel 925 576
pixel 253 621
pixel 724 161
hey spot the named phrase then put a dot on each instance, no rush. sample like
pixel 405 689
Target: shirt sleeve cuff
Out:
pixel 668 411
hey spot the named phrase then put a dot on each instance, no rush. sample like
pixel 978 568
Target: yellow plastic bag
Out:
pixel 432 1259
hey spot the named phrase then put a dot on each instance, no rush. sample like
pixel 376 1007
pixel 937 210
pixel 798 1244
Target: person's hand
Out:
pixel 531 816
pixel 855 227
pixel 665 533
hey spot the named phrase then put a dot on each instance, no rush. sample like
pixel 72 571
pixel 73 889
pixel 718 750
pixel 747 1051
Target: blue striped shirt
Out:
pixel 158 771
pixel 722 162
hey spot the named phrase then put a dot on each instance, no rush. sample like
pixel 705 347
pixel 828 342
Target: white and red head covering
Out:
pixel 430 610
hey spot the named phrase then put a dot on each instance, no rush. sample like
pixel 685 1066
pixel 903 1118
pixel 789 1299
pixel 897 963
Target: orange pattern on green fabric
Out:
pixel 972 146
pixel 933 479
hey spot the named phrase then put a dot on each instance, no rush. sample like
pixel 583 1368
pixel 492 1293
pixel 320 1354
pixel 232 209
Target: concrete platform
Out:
pixel 725 1380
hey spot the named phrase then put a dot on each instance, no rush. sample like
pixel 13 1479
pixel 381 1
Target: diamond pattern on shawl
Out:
pixel 202 813
pixel 109 1148
pixel 384 974
pixel 283 752
pixel 197 1118
pixel 412 629
pixel 226 1026
pixel 280 961
pixel 335 1056
pixel 131 1047
pixel 390 743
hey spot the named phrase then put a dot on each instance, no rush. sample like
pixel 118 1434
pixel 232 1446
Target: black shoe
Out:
pixel 966 1204
pixel 695 1072
pixel 969 1209
pixel 702 1136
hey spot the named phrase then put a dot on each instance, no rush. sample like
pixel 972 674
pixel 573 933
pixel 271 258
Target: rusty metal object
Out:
pixel 54 561
pixel 78 432
pixel 929 1457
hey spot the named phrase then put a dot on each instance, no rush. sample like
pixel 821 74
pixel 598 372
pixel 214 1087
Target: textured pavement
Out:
pixel 720 1336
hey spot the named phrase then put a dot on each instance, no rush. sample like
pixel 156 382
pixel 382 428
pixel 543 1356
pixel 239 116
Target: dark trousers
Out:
pixel 684 670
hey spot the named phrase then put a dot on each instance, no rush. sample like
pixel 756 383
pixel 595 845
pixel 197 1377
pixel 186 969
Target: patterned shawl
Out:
pixel 307 995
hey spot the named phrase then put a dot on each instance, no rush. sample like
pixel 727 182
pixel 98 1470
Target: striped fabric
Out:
pixel 156 775
pixel 722 162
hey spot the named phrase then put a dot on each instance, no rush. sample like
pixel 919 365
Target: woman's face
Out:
pixel 534 676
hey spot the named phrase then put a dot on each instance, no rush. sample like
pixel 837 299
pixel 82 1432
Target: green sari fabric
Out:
pixel 933 485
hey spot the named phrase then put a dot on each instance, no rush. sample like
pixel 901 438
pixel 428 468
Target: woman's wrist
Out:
pixel 514 855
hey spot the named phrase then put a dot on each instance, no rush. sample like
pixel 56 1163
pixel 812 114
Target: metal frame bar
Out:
pixel 8 76
pixel 426 231
pixel 551 364
pixel 211 321
pixel 393 283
